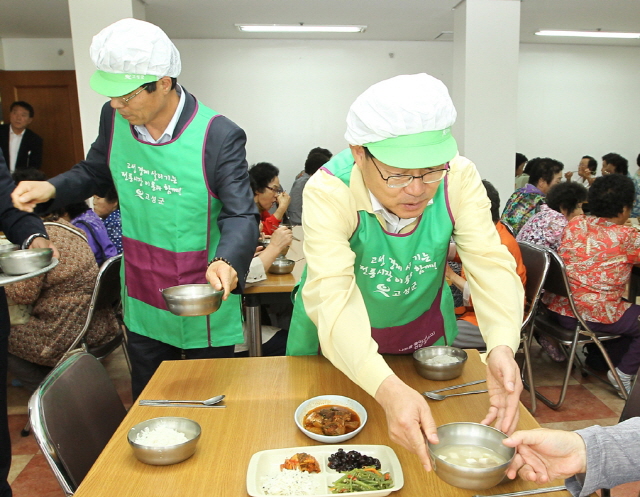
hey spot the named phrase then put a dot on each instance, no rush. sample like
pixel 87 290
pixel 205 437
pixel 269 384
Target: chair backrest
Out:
pixel 106 294
pixel 509 228
pixel 536 261
pixel 73 414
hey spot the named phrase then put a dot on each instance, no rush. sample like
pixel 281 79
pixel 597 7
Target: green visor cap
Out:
pixel 416 151
pixel 117 85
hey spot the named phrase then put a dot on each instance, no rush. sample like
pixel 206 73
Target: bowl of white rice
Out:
pixel 163 441
pixel 439 363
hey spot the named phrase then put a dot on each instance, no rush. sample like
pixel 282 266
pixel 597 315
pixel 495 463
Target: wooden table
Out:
pixel 276 289
pixel 262 395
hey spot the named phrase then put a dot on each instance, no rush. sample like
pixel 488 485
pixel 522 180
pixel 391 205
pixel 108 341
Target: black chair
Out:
pixel 558 284
pixel 73 414
pixel 106 294
pixel 509 228
pixel 536 261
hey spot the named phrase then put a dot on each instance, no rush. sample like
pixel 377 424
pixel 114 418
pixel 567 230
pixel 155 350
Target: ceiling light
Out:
pixel 589 34
pixel 298 28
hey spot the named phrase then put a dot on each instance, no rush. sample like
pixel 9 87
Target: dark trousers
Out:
pixel 627 327
pixel 5 439
pixel 147 354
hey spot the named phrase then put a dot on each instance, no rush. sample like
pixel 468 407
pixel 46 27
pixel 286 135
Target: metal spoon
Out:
pixel 458 386
pixel 437 396
pixel 208 402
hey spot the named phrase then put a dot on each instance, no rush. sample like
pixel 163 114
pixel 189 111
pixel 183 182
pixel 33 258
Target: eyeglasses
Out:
pixel 128 99
pixel 277 190
pixel 402 180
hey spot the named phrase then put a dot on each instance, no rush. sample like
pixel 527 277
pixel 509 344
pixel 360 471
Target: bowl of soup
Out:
pixel 330 418
pixel 470 455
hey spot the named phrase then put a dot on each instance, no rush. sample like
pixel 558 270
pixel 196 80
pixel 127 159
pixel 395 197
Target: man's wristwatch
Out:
pixel 31 238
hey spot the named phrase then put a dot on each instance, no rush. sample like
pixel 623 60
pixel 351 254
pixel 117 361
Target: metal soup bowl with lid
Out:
pixel 154 452
pixel 456 437
pixel 192 300
pixel 18 262
pixel 440 362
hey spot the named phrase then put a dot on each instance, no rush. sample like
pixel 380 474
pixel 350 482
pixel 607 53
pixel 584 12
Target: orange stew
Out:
pixel 331 420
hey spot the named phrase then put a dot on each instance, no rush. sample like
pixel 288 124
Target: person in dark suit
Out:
pixel 28 145
pixel 27 230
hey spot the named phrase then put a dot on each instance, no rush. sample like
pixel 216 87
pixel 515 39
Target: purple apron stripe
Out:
pixel 421 332
pixel 149 270
pixel 204 147
pixel 326 170
pixel 446 199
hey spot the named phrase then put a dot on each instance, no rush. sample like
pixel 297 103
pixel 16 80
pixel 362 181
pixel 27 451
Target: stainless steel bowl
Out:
pixel 192 300
pixel 8 247
pixel 170 454
pixel 423 360
pixel 282 266
pixel 470 434
pixel 25 261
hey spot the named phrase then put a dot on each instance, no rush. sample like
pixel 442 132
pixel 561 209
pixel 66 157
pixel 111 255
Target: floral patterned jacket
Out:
pixel 544 228
pixel 599 256
pixel 522 204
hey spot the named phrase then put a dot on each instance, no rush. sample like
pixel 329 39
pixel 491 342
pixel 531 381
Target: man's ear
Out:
pixel 359 155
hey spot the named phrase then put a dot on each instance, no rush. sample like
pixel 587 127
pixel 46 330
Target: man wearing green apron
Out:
pixel 187 209
pixel 377 222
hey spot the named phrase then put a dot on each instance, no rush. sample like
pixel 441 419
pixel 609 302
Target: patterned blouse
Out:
pixel 113 223
pixel 522 204
pixel 635 212
pixel 544 228
pixel 599 256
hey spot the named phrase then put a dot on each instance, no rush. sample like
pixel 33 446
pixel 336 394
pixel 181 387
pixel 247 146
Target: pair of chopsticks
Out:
pixel 527 492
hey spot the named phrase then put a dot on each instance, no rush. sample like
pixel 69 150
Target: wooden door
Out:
pixel 54 97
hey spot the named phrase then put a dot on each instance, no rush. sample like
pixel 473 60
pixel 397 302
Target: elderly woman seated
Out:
pixel 599 253
pixel 108 209
pixel 526 201
pixel 564 202
pixel 60 301
pixel 267 192
pixel 81 216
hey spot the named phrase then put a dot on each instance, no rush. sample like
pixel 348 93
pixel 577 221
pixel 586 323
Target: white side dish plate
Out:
pixel 267 463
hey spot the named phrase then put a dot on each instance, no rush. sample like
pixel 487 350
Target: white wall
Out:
pixel 291 96
pixel 37 54
pixel 579 100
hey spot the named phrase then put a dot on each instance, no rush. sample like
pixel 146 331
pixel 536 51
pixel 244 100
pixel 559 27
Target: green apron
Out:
pixel 169 233
pixel 400 276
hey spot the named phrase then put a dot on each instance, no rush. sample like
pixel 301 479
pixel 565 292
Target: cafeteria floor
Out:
pixel 588 402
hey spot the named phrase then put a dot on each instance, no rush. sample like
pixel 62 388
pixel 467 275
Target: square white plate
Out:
pixel 267 463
